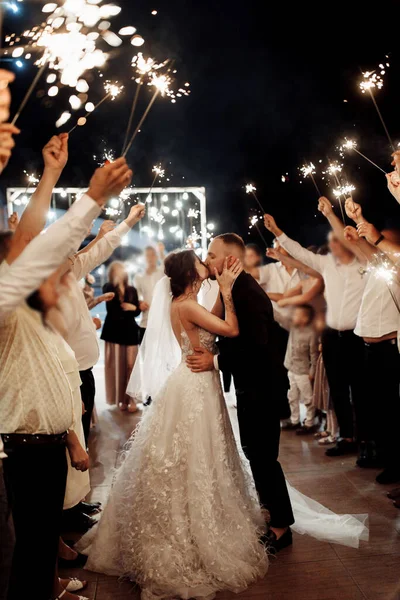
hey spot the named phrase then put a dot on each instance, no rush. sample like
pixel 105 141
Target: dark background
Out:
pixel 268 84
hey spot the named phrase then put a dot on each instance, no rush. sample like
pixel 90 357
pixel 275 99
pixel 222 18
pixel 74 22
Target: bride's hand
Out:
pixel 228 276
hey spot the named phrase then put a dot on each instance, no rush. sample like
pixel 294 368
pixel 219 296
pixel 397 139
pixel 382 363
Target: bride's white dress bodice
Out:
pixel 206 339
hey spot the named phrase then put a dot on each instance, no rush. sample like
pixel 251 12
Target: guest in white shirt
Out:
pixel 377 325
pixel 81 331
pixel 36 406
pixel 344 277
pixel 146 282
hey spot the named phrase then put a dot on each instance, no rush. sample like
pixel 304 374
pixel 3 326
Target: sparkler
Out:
pixel 352 145
pixel 251 189
pixel 143 67
pixel 386 271
pixel 162 84
pixel 112 91
pixel 69 39
pixel 371 80
pixel 308 170
pixel 254 223
pixel 28 94
pixel 333 169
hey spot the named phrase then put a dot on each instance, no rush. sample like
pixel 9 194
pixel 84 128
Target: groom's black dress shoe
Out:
pixel 394 494
pixel 89 508
pixel 368 457
pixel 76 521
pixel 274 545
pixel 389 475
pixel 77 563
pixel 342 448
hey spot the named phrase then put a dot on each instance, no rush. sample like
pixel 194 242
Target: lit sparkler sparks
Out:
pixel 163 86
pixel 193 213
pixel 334 169
pixel 352 145
pixel 254 223
pixel 158 171
pixel 308 170
pixel 344 190
pixel 112 91
pixel 69 41
pixel 251 189
pixel 374 80
pixel 371 79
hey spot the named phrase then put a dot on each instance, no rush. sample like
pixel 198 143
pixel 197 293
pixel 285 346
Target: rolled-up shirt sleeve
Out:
pixel 45 254
pixel 315 261
pixel 85 262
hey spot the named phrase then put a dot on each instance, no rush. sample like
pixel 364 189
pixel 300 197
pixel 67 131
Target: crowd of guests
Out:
pixel 337 308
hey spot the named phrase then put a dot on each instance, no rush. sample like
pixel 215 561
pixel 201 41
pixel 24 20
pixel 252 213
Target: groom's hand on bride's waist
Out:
pixel 201 361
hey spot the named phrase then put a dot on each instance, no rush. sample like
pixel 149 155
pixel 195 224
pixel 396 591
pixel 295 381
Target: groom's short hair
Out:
pixel 232 239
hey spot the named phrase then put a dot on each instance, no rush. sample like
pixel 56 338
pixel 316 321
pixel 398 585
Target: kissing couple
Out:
pixel 189 514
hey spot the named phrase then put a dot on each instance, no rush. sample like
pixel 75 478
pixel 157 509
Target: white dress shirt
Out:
pixel 81 332
pixel 275 278
pixel 35 394
pixel 45 254
pixel 344 284
pixel 145 284
pixel 378 314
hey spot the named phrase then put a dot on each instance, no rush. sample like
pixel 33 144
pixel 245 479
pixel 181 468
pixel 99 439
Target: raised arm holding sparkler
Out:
pixel 34 217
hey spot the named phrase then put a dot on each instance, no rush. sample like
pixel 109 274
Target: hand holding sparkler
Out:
pixel 396 161
pixel 13 221
pixel 353 210
pixel 6 77
pixel 350 234
pixel 136 214
pixel 325 206
pixel 368 231
pixel 109 181
pixel 271 225
pixel 273 253
pixel 55 153
pixel 6 143
pixel 105 227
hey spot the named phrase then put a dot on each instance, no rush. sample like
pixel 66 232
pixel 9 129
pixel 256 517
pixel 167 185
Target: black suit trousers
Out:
pixel 88 392
pixel 259 426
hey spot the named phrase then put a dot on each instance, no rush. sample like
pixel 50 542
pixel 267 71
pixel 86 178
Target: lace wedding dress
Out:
pixel 183 518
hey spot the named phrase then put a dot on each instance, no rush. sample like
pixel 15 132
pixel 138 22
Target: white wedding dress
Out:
pixel 183 519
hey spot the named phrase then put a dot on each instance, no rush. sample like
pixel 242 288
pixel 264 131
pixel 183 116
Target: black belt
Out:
pixel 391 342
pixel 25 439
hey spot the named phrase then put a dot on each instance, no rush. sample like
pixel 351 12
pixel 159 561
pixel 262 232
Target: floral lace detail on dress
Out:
pixel 183 518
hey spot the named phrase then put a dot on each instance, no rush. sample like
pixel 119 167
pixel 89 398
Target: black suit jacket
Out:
pixel 250 356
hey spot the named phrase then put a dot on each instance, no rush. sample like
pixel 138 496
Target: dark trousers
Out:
pixel 282 383
pixel 35 477
pixel 382 400
pixel 343 354
pixel 260 429
pixel 6 538
pixel 227 379
pixel 88 392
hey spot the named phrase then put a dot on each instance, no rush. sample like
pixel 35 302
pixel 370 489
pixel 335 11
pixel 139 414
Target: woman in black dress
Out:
pixel 121 335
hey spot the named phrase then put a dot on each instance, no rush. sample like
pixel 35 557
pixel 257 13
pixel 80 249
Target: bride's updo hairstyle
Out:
pixel 180 267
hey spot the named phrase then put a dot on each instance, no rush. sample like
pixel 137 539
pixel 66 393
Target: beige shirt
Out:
pixel 35 394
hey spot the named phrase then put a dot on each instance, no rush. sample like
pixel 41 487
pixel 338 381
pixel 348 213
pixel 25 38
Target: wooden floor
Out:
pixel 310 570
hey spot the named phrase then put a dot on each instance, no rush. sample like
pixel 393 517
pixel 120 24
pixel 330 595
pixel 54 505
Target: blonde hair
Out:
pixel 111 269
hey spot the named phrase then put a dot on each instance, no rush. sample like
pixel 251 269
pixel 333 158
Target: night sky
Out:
pixel 268 84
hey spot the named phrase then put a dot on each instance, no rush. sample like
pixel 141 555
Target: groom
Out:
pixel 256 372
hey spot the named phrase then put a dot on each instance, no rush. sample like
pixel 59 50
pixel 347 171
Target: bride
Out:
pixel 183 519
